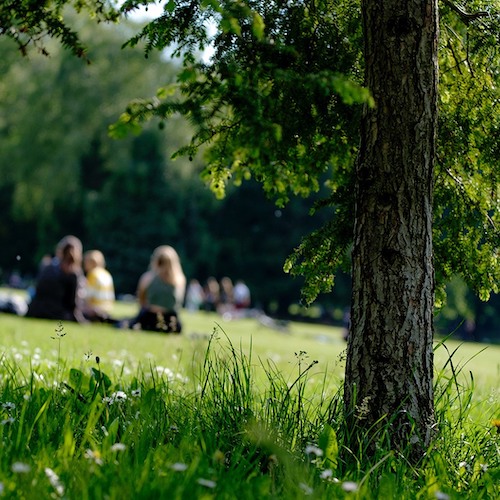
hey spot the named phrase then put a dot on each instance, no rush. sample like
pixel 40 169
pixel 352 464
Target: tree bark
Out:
pixel 389 356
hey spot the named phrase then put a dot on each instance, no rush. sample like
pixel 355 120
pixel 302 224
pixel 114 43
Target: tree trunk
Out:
pixel 390 357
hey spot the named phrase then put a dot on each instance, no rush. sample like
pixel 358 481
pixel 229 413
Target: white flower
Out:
pixel 182 378
pixel 179 467
pixel 326 474
pixel 118 447
pixel 350 486
pixel 484 467
pixel 54 481
pixel 206 482
pixel 136 393
pixel 167 372
pixel 93 456
pixel 9 420
pixel 314 450
pixel 441 496
pixel 20 468
pixel 119 396
pixel 9 406
pixel 116 397
pixel 306 488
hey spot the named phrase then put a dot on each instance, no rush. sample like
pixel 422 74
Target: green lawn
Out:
pixel 225 410
pixel 117 347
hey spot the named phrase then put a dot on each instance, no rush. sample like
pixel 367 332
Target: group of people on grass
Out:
pixel 76 286
pixel 223 298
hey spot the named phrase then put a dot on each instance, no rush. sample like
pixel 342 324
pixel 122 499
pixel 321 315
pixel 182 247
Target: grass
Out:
pixel 227 410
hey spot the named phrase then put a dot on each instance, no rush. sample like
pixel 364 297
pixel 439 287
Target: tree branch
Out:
pixel 467 17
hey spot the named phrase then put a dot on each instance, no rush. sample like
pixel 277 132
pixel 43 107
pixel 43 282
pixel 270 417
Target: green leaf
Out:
pixel 170 6
pixel 100 377
pixel 231 25
pixel 78 380
pixel 329 444
pixel 258 26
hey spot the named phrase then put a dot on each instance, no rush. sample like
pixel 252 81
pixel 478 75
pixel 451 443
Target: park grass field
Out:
pixel 228 409
pixel 279 343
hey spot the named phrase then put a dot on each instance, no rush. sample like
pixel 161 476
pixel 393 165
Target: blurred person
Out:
pixel 212 295
pixel 195 295
pixel 60 286
pixel 100 290
pixel 226 302
pixel 242 297
pixel 161 292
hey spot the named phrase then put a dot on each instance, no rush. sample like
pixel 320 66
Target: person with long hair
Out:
pixel 60 286
pixel 160 293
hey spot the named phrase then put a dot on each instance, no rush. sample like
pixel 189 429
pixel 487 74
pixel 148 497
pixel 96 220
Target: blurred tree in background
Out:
pixel 61 173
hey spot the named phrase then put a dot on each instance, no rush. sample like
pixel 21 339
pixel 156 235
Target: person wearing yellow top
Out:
pixel 100 292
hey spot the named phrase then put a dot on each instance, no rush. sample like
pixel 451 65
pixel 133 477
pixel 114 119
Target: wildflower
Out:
pixel 484 467
pixel 350 486
pixel 9 406
pixel 496 423
pixel 306 488
pixel 314 450
pixel 93 456
pixel 9 420
pixel 181 378
pixel 167 372
pixel 118 396
pixel 54 481
pixel 206 482
pixel 326 474
pixel 136 393
pixel 442 496
pixel 118 447
pixel 179 467
pixel 20 468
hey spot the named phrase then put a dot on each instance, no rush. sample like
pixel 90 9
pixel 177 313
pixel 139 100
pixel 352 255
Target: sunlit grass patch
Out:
pixel 219 417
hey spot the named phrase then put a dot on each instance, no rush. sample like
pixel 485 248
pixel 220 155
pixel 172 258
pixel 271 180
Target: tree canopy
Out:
pixel 279 101
pixel 30 23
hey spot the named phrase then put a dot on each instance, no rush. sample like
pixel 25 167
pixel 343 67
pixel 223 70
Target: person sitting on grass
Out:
pixel 60 285
pixel 161 293
pixel 100 290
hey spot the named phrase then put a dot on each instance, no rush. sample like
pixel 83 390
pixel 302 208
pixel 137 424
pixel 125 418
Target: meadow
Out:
pixel 228 409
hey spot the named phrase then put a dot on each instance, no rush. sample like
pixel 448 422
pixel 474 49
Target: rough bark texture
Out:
pixel 389 360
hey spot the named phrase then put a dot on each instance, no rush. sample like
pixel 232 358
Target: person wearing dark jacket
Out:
pixel 60 285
